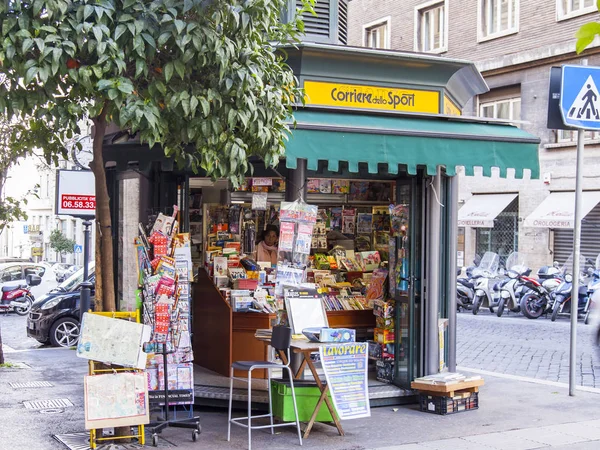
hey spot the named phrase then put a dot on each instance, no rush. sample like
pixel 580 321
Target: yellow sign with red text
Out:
pixel 450 108
pixel 371 97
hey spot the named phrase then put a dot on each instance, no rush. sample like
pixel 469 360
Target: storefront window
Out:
pixel 503 238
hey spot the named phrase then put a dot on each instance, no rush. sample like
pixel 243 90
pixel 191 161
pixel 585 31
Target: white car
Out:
pixel 14 274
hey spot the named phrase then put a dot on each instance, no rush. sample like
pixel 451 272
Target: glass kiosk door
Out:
pixel 406 276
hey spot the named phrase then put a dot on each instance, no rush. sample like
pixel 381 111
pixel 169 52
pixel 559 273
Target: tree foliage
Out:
pixel 60 243
pixel 176 72
pixel 10 207
pixel 587 33
pixel 201 78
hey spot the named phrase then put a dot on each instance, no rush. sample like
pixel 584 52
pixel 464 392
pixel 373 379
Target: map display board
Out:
pixel 113 400
pixel 113 341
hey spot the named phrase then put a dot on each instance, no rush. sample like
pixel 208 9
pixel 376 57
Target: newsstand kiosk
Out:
pixel 374 121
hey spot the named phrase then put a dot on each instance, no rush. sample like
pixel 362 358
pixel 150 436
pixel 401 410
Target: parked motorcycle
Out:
pixel 465 291
pixel 563 294
pixel 486 281
pixel 509 288
pixel 593 290
pixel 18 298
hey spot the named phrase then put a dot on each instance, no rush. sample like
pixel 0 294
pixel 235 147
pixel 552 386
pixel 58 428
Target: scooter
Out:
pixel 509 288
pixel 19 298
pixel 485 277
pixel 465 291
pixel 563 294
pixel 593 292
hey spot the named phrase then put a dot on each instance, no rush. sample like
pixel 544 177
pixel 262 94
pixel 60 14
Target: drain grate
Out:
pixel 49 404
pixel 30 384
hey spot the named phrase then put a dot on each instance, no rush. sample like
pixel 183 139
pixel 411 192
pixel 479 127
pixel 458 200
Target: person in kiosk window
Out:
pixel 266 248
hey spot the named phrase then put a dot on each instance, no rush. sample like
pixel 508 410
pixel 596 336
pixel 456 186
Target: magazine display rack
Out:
pixel 164 276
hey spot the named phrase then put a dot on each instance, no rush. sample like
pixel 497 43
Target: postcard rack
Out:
pixel 165 421
pixel 94 369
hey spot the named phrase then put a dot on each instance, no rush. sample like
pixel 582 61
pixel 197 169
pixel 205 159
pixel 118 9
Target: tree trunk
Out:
pixel 105 286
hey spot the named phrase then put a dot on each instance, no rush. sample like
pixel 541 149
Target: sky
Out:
pixel 21 178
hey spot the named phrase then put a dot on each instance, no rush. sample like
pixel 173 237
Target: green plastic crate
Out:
pixel 307 396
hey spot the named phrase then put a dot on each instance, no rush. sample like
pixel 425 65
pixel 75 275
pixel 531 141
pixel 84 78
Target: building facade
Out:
pixel 31 238
pixel 514 43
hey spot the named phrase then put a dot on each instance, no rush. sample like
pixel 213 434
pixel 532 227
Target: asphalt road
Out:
pixel 515 345
pixel 14 332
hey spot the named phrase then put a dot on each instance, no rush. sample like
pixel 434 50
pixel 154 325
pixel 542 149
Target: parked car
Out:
pixel 15 273
pixel 54 317
pixel 62 271
pixel 9 259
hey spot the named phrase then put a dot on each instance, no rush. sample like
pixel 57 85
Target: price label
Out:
pixel 80 202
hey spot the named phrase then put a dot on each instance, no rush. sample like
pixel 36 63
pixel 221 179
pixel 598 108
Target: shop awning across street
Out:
pixel 481 210
pixel 410 142
pixel 558 210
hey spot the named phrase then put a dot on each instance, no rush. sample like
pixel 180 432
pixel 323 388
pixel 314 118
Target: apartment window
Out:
pixel 566 136
pixel 431 30
pixel 377 34
pixel 507 109
pixel 565 9
pixel 498 18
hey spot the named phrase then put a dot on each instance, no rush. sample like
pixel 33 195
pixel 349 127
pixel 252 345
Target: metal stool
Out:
pixel 280 341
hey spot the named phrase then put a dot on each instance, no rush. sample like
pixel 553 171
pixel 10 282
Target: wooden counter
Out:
pixel 221 336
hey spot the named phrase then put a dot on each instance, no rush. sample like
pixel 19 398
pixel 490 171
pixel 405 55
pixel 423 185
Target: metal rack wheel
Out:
pixel 155 440
pixel 195 435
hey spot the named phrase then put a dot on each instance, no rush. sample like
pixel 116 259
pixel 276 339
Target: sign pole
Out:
pixel 576 261
pixel 86 285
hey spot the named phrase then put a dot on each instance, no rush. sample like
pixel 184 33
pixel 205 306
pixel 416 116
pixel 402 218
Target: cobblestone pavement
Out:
pixel 515 345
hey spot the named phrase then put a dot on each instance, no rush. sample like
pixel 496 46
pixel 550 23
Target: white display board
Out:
pixel 114 400
pixel 113 341
pixel 76 193
pixel 306 313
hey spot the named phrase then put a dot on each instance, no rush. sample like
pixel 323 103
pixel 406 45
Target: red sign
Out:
pixel 78 201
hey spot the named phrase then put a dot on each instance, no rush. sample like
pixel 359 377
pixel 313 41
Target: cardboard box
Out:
pixel 384 309
pixel 384 336
pixel 337 335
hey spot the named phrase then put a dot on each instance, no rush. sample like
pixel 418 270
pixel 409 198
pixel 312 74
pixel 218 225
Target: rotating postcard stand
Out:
pixel 165 421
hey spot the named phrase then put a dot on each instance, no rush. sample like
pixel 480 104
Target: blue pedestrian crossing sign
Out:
pixel 78 248
pixel 580 98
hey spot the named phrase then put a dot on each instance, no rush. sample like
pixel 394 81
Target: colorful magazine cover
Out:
pixel 336 218
pixel 399 220
pixel 381 218
pixel 325 186
pixel 359 190
pixel 340 186
pixel 348 221
pixel 364 223
pixel 313 186
pixel 376 289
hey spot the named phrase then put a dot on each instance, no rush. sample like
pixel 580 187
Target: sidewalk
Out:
pixel 514 414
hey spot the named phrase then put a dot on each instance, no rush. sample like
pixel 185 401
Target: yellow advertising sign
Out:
pixel 371 97
pixel 450 109
pixel 37 251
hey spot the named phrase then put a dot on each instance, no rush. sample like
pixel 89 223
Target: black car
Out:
pixel 54 317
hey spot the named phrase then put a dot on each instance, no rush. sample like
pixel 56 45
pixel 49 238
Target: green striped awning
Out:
pixel 410 142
